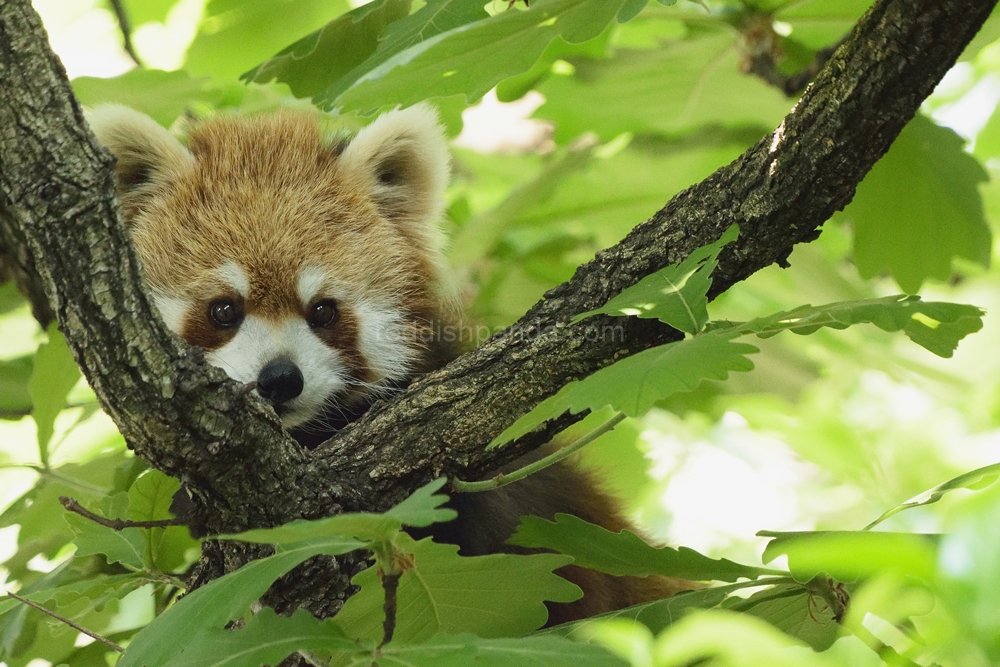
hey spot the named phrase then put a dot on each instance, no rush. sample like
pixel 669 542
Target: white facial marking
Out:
pixel 172 310
pixel 259 342
pixel 311 280
pixel 233 275
pixel 385 340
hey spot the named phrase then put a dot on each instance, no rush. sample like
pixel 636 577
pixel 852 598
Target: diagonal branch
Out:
pixel 780 192
pixel 60 224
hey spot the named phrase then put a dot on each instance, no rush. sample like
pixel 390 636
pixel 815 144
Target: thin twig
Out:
pixel 502 480
pixel 126 28
pixel 390 584
pixel 79 628
pixel 116 524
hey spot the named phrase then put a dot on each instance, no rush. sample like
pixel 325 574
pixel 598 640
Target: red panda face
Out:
pixel 309 269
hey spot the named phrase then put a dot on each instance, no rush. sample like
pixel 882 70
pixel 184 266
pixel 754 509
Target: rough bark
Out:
pixel 61 225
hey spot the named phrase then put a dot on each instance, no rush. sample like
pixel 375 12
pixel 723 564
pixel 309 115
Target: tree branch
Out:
pixel 126 29
pixel 60 221
pixel 62 619
pixel 72 505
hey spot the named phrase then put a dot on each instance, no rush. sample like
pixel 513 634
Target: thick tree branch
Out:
pixel 780 191
pixel 60 221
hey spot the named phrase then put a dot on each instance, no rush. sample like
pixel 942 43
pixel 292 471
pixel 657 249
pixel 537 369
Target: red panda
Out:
pixel 313 268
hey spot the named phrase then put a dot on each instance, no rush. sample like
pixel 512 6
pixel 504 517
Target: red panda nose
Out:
pixel 279 381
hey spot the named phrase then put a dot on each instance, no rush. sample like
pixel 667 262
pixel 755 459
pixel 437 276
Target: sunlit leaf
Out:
pixel 851 555
pixel 936 326
pixel 677 294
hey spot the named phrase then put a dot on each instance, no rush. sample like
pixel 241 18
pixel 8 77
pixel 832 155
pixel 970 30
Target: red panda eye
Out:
pixel 224 313
pixel 322 313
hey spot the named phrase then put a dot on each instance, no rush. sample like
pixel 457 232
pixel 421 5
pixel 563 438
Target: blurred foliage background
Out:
pixel 562 158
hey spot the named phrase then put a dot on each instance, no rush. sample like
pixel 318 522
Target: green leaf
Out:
pixel 500 595
pixel 212 606
pixel 817 23
pixel 722 637
pixel 933 325
pixel 98 590
pixel 54 374
pixel 919 208
pixel 635 383
pixel 39 513
pixel 656 615
pixel 625 553
pixel 265 639
pixel 235 35
pixel 15 399
pixel 676 294
pixel 852 555
pixel 481 234
pixel 420 509
pixel 682 85
pixel 329 61
pixel 150 496
pixel 163 96
pixel 796 611
pixel 145 11
pixel 10 297
pixel 471 59
pixel 630 10
pixel 967 571
pixel 466 650
pixel 149 500
pixel 988 139
pixel 423 507
pixel 127 546
pixel 980 478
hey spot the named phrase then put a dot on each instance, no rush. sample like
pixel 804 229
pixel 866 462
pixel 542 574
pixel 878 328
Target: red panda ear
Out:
pixel 147 153
pixel 402 159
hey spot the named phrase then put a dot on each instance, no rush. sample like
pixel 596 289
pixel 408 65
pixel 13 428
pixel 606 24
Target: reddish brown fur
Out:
pixel 277 172
pixel 197 328
pixel 343 335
